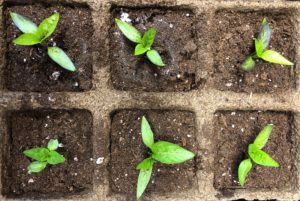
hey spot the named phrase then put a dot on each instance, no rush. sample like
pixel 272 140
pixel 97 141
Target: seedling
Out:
pixel 261 52
pixel 36 35
pixel 143 43
pixel 257 155
pixel 162 151
pixel 44 156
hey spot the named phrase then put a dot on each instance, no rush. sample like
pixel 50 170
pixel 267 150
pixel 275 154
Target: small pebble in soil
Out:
pixel 75 159
pixel 242 129
pixel 91 159
pixel 187 14
pixel 25 60
pixel 233 126
pixel 60 145
pixel 228 84
pixel 189 136
pixel 171 26
pixel 99 160
pixel 75 84
pixel 30 181
pixel 233 113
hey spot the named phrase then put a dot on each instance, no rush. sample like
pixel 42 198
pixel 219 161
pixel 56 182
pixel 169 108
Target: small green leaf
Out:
pixel 169 153
pixel 148 38
pixel 52 145
pixel 262 138
pixel 61 58
pixel 36 166
pixel 248 64
pixel 55 158
pixel 155 58
pixel 39 154
pixel 259 47
pixel 147 134
pixel 23 23
pixel 260 157
pixel 129 31
pixel 139 49
pixel 275 57
pixel 48 26
pixel 244 168
pixel 146 164
pixel 265 33
pixel 143 180
pixel 27 39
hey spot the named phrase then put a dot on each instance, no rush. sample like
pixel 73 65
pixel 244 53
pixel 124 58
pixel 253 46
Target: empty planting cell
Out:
pixel 34 128
pixel 29 68
pixel 176 41
pixel 234 41
pixel 234 131
pixel 127 150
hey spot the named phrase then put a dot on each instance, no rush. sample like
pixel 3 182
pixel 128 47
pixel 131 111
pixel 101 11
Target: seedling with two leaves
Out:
pixel 257 155
pixel 143 43
pixel 44 156
pixel 261 52
pixel 161 151
pixel 36 35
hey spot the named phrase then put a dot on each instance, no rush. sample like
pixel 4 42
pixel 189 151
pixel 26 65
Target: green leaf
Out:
pixel 147 134
pixel 48 26
pixel 27 39
pixel 248 64
pixel 146 164
pixel 155 58
pixel 36 166
pixel 169 153
pixel 275 57
pixel 244 168
pixel 139 49
pixel 143 180
pixel 23 23
pixel 55 158
pixel 39 154
pixel 260 157
pixel 61 58
pixel 259 47
pixel 265 33
pixel 52 145
pixel 262 138
pixel 148 38
pixel 129 31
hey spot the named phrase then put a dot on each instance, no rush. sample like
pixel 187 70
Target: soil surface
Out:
pixel 31 129
pixel 234 42
pixel 29 68
pixel 127 150
pixel 176 41
pixel 234 130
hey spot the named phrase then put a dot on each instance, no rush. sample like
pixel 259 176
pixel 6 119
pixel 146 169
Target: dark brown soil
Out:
pixel 31 129
pixel 127 150
pixel 176 40
pixel 30 68
pixel 234 130
pixel 233 42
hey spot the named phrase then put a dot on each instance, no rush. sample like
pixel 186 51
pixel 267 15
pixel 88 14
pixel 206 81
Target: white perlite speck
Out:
pixel 75 159
pixel 60 145
pixel 99 160
pixel 30 181
pixel 125 17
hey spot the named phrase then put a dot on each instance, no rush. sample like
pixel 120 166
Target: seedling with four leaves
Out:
pixel 261 52
pixel 257 155
pixel 162 151
pixel 44 156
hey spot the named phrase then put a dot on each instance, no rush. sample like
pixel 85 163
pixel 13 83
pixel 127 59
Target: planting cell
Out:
pixel 234 130
pixel 176 40
pixel 127 150
pixel 233 42
pixel 29 129
pixel 29 68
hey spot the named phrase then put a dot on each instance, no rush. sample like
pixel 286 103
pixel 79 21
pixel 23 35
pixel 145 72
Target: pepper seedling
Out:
pixel 257 155
pixel 261 43
pixel 162 151
pixel 143 43
pixel 44 156
pixel 36 35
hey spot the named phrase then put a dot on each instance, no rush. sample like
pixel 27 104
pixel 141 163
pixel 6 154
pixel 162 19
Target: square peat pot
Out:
pixel 234 41
pixel 234 131
pixel 34 128
pixel 127 150
pixel 176 41
pixel 29 68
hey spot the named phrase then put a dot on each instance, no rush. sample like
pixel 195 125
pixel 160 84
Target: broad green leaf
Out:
pixel 244 168
pixel 23 23
pixel 262 138
pixel 139 49
pixel 147 134
pixel 52 145
pixel 61 58
pixel 260 157
pixel 27 39
pixel 169 153
pixel 146 164
pixel 248 64
pixel 265 33
pixel 55 158
pixel 275 57
pixel 129 31
pixel 36 166
pixel 39 154
pixel 148 38
pixel 143 180
pixel 259 47
pixel 48 26
pixel 155 58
